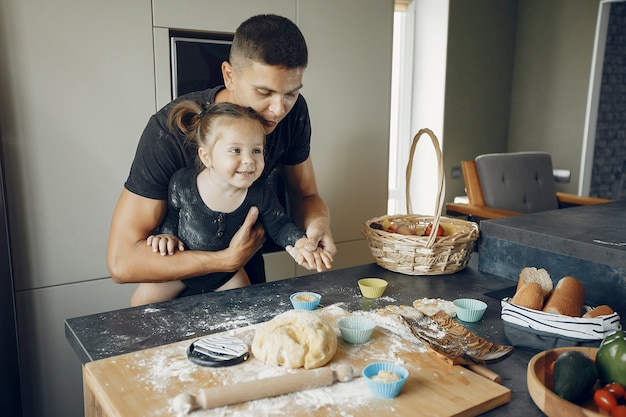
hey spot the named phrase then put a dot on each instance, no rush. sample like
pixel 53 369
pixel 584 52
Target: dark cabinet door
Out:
pixel 10 400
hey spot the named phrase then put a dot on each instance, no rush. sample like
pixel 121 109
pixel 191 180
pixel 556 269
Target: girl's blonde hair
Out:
pixel 197 123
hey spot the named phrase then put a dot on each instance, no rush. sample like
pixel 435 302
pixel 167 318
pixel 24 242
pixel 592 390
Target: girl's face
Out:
pixel 236 159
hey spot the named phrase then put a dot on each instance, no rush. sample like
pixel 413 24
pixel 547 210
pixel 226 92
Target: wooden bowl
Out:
pixel 540 384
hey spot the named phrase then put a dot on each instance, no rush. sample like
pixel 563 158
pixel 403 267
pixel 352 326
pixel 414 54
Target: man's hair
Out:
pixel 269 39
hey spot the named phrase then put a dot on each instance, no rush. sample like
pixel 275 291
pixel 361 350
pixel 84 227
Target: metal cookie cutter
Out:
pixel 216 351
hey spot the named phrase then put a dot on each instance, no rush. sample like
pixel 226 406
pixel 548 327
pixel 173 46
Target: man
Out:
pixel 267 61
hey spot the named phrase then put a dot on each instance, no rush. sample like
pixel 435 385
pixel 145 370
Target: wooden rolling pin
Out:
pixel 486 372
pixel 261 388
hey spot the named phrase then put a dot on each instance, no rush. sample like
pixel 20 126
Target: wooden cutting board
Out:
pixel 144 383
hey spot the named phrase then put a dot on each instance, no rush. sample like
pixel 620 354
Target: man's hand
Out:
pixel 318 259
pixel 318 235
pixel 131 259
pixel 247 241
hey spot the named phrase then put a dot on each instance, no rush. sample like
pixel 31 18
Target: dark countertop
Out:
pixel 113 333
pixel 592 233
pixel 586 242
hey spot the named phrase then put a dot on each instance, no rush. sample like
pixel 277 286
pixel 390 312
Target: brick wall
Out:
pixel 608 178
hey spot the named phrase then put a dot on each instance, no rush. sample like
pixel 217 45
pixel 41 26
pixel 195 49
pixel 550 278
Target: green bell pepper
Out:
pixel 611 358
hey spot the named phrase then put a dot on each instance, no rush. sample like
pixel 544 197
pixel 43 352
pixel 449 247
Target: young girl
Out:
pixel 207 206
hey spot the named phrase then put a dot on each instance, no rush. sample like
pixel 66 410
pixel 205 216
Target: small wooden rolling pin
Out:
pixel 486 372
pixel 261 388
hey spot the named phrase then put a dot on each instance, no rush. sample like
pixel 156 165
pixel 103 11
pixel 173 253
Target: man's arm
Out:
pixel 309 208
pixel 131 259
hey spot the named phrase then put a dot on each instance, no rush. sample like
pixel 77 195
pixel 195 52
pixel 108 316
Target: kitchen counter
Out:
pixel 586 242
pixel 114 333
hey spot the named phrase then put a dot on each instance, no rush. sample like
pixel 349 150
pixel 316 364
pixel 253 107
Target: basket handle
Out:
pixel 441 181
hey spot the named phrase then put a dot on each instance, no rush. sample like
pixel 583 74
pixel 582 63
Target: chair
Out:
pixel 509 184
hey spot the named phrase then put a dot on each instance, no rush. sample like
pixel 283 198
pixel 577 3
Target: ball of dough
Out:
pixel 386 376
pixel 294 339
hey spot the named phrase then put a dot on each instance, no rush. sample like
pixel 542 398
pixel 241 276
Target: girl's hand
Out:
pixel 165 244
pixel 318 259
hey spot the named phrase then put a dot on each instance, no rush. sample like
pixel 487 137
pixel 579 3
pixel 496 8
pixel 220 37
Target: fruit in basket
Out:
pixel 611 358
pixel 448 229
pixel 574 375
pixel 403 229
pixel 376 225
pixel 389 226
pixel 429 230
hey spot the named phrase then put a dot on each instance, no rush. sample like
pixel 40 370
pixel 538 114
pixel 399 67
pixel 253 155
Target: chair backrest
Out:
pixel 518 181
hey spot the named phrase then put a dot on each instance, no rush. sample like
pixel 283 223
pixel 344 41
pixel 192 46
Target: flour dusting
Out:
pixel 349 396
pixel 167 366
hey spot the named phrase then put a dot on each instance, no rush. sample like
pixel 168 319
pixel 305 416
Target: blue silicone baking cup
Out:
pixel 356 329
pixel 469 309
pixel 305 305
pixel 385 389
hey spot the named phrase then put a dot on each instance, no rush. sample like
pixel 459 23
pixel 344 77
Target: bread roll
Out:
pixel 529 295
pixel 568 298
pixel 602 310
pixel 540 276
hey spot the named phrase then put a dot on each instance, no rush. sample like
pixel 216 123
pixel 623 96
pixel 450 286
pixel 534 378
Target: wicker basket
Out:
pixel 423 255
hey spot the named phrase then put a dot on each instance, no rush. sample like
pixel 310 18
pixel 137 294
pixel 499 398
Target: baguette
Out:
pixel 529 295
pixel 568 298
pixel 602 310
pixel 540 276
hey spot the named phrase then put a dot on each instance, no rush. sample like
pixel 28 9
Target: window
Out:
pixel 417 100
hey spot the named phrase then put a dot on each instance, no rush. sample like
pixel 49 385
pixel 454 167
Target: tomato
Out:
pixel 618 411
pixel 429 229
pixel 616 389
pixel 604 399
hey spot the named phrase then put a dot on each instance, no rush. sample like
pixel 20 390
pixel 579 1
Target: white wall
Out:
pixel 553 52
pixel 517 79
pixel 77 85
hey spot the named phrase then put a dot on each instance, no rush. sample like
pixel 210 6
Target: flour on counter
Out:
pixel 167 364
pixel 393 325
pixel 348 395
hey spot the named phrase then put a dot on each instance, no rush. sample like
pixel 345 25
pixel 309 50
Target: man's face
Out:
pixel 269 90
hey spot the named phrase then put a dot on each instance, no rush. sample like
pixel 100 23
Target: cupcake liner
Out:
pixel 299 300
pixel 385 389
pixel 469 309
pixel 356 329
pixel 372 287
